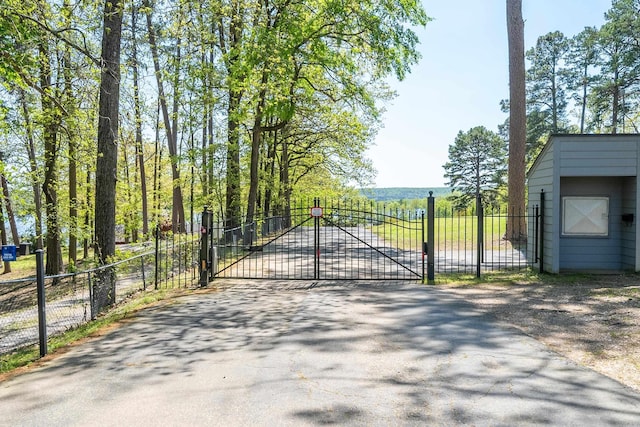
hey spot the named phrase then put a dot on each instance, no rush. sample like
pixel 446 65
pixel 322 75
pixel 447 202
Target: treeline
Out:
pixel 587 83
pixel 236 105
pixel 403 193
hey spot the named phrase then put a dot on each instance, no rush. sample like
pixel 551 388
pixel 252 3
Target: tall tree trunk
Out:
pixel 107 161
pixel 105 205
pixel 211 151
pixel 615 103
pixel 554 103
pixel 157 161
pixel 138 118
pixel 256 144
pixel 270 172
pixel 212 179
pixel 3 240
pixel 51 121
pixel 516 229
pixel 208 149
pixel 131 226
pixel 583 109
pixel 192 180
pixel 33 167
pixel 178 208
pixel 72 166
pixel 7 201
pixel 178 217
pixel 204 153
pixel 73 186
pixel 10 216
pixel 87 218
pixel 285 182
pixel 230 45
pixel 73 202
pixel 232 205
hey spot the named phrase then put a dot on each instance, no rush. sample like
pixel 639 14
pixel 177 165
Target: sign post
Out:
pixel 316 214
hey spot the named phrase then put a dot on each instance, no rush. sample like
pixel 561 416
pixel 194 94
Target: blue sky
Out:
pixel 460 81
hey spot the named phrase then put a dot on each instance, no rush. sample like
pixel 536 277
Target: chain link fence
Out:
pixel 74 299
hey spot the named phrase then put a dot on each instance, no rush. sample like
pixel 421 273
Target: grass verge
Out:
pixel 515 277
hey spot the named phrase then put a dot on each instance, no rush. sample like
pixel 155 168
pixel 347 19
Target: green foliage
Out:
pixel 619 67
pixel 17 38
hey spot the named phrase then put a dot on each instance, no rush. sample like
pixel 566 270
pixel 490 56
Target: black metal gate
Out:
pixel 319 241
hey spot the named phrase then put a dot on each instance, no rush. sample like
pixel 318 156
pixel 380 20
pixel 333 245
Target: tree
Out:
pixel 138 123
pixel 171 126
pixel 537 131
pixel 106 163
pixel 70 116
pixel 546 92
pixel 517 119
pixel 337 58
pixel 51 122
pixel 30 147
pixel 3 238
pixel 476 166
pixel 40 63
pixel 580 60
pixel 618 46
pixel 6 196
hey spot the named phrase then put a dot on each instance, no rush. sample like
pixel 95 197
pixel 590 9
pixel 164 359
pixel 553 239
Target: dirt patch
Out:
pixel 593 321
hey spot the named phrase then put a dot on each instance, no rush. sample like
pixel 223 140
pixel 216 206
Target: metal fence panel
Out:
pixel 467 243
pixel 71 299
pixel 18 314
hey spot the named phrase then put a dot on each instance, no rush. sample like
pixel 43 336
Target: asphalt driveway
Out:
pixel 276 353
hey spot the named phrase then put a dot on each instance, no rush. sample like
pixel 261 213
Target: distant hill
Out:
pixel 403 193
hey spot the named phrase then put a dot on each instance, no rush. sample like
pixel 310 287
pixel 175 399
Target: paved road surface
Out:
pixel 301 354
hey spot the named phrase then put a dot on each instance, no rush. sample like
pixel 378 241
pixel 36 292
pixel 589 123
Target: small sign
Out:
pixel 316 212
pixel 9 253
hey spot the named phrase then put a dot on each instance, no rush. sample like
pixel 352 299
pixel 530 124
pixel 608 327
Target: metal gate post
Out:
pixel 205 260
pixel 430 238
pixel 479 249
pixel 42 311
pixel 316 241
pixel 536 223
pixel 541 236
pixel 157 257
pixel 424 249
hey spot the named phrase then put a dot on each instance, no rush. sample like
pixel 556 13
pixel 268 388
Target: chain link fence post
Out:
pixel 42 313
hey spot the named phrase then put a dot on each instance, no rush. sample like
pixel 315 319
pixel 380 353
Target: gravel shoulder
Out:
pixel 592 320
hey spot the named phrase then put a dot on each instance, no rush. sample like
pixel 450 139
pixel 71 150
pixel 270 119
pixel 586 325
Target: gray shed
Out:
pixel 591 202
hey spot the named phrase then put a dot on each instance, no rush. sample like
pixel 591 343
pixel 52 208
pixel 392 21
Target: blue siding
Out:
pixel 593 253
pixel 581 156
pixel 590 254
pixel 541 178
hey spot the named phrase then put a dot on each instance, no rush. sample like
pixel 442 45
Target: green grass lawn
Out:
pixel 453 233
